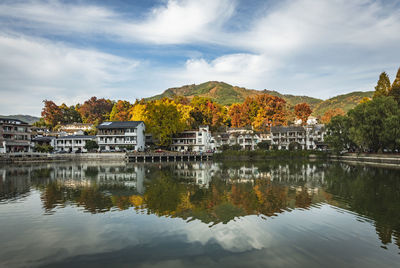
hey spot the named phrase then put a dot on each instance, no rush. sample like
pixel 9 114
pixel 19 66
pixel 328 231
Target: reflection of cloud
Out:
pixel 242 234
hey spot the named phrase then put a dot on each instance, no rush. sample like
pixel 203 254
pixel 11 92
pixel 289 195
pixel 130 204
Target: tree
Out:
pixel 326 118
pixel 235 114
pixel 395 89
pixel 338 136
pixel 120 111
pixel 207 112
pixel 95 110
pixel 69 114
pixel 264 145
pixel 372 121
pixel 51 113
pixel 383 86
pixel 162 120
pixel 302 111
pixel 91 145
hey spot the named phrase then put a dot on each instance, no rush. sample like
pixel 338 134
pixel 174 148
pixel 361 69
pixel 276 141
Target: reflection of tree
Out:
pixel 373 192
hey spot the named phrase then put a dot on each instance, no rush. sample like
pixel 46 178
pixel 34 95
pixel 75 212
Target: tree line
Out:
pixel 165 117
pixel 373 125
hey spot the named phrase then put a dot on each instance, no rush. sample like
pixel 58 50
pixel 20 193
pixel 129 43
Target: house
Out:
pixel 192 140
pixel 310 137
pixel 15 136
pixel 72 143
pixel 121 135
pixel 44 140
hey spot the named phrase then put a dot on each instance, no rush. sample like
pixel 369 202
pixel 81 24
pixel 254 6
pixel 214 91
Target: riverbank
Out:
pixel 262 154
pixel 43 157
pixel 381 159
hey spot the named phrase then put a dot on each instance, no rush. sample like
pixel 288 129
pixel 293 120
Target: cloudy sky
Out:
pixel 67 51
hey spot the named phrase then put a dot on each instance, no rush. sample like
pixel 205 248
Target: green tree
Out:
pixel 383 86
pixel 338 133
pixel 370 122
pixel 395 90
pixel 91 145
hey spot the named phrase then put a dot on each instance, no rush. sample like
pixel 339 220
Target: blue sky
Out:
pixel 67 51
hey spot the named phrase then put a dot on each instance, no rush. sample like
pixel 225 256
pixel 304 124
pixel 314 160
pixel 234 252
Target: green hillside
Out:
pixel 25 118
pixel 226 94
pixel 345 102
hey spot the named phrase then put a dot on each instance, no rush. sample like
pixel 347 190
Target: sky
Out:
pixel 68 51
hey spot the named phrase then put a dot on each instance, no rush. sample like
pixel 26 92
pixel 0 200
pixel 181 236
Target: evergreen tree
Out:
pixel 395 90
pixel 383 86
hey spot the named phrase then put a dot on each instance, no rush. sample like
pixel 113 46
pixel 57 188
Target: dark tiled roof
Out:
pixel 43 138
pixel 282 129
pixel 121 124
pixel 76 137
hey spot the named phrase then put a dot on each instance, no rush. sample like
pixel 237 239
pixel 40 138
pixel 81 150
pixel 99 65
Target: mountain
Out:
pixel 25 118
pixel 226 94
pixel 346 102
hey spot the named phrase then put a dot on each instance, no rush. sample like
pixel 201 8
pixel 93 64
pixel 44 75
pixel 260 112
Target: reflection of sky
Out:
pixel 320 236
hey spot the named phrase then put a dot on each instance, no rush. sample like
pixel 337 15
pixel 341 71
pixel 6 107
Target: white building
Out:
pixel 310 137
pixel 121 135
pixel 72 143
pixel 192 140
pixel 246 138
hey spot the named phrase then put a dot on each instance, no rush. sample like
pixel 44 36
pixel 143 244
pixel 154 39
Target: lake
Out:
pixel 199 214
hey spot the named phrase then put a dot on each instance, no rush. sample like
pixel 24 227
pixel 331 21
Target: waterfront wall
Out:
pixel 34 157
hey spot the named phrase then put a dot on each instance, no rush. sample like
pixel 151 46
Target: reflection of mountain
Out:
pixel 212 192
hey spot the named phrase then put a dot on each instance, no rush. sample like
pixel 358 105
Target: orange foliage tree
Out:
pixel 302 111
pixel 120 111
pixel 95 110
pixel 51 113
pixel 326 118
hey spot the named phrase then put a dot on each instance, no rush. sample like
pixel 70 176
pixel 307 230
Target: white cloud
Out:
pixel 32 70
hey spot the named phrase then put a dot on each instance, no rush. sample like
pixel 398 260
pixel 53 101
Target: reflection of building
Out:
pixel 120 135
pixel 192 140
pixel 199 173
pixel 73 143
pixel 15 136
pixel 309 137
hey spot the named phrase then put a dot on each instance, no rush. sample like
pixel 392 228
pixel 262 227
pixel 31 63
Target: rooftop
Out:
pixel 119 124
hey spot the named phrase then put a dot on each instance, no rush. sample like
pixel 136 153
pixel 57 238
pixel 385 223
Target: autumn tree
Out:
pixel 383 86
pixel 326 118
pixel 120 111
pixel 235 114
pixel 302 111
pixel 207 112
pixel 51 113
pixel 69 114
pixel 95 110
pixel 395 89
pixel 271 112
pixel 162 119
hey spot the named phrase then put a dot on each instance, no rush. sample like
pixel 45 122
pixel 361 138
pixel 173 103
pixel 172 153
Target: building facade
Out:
pixel 72 143
pixel 15 136
pixel 310 137
pixel 192 140
pixel 118 136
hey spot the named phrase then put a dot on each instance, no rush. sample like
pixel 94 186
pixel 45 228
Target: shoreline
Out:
pixel 382 160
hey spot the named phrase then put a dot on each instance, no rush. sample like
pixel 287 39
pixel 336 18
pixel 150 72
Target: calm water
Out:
pixel 271 214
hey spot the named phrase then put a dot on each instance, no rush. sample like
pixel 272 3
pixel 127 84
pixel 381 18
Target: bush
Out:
pixel 91 145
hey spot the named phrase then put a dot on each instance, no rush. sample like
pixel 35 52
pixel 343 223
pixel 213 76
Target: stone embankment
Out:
pixel 381 159
pixel 39 157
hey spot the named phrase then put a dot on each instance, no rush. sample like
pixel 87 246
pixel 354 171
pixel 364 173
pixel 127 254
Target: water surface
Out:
pixel 236 214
